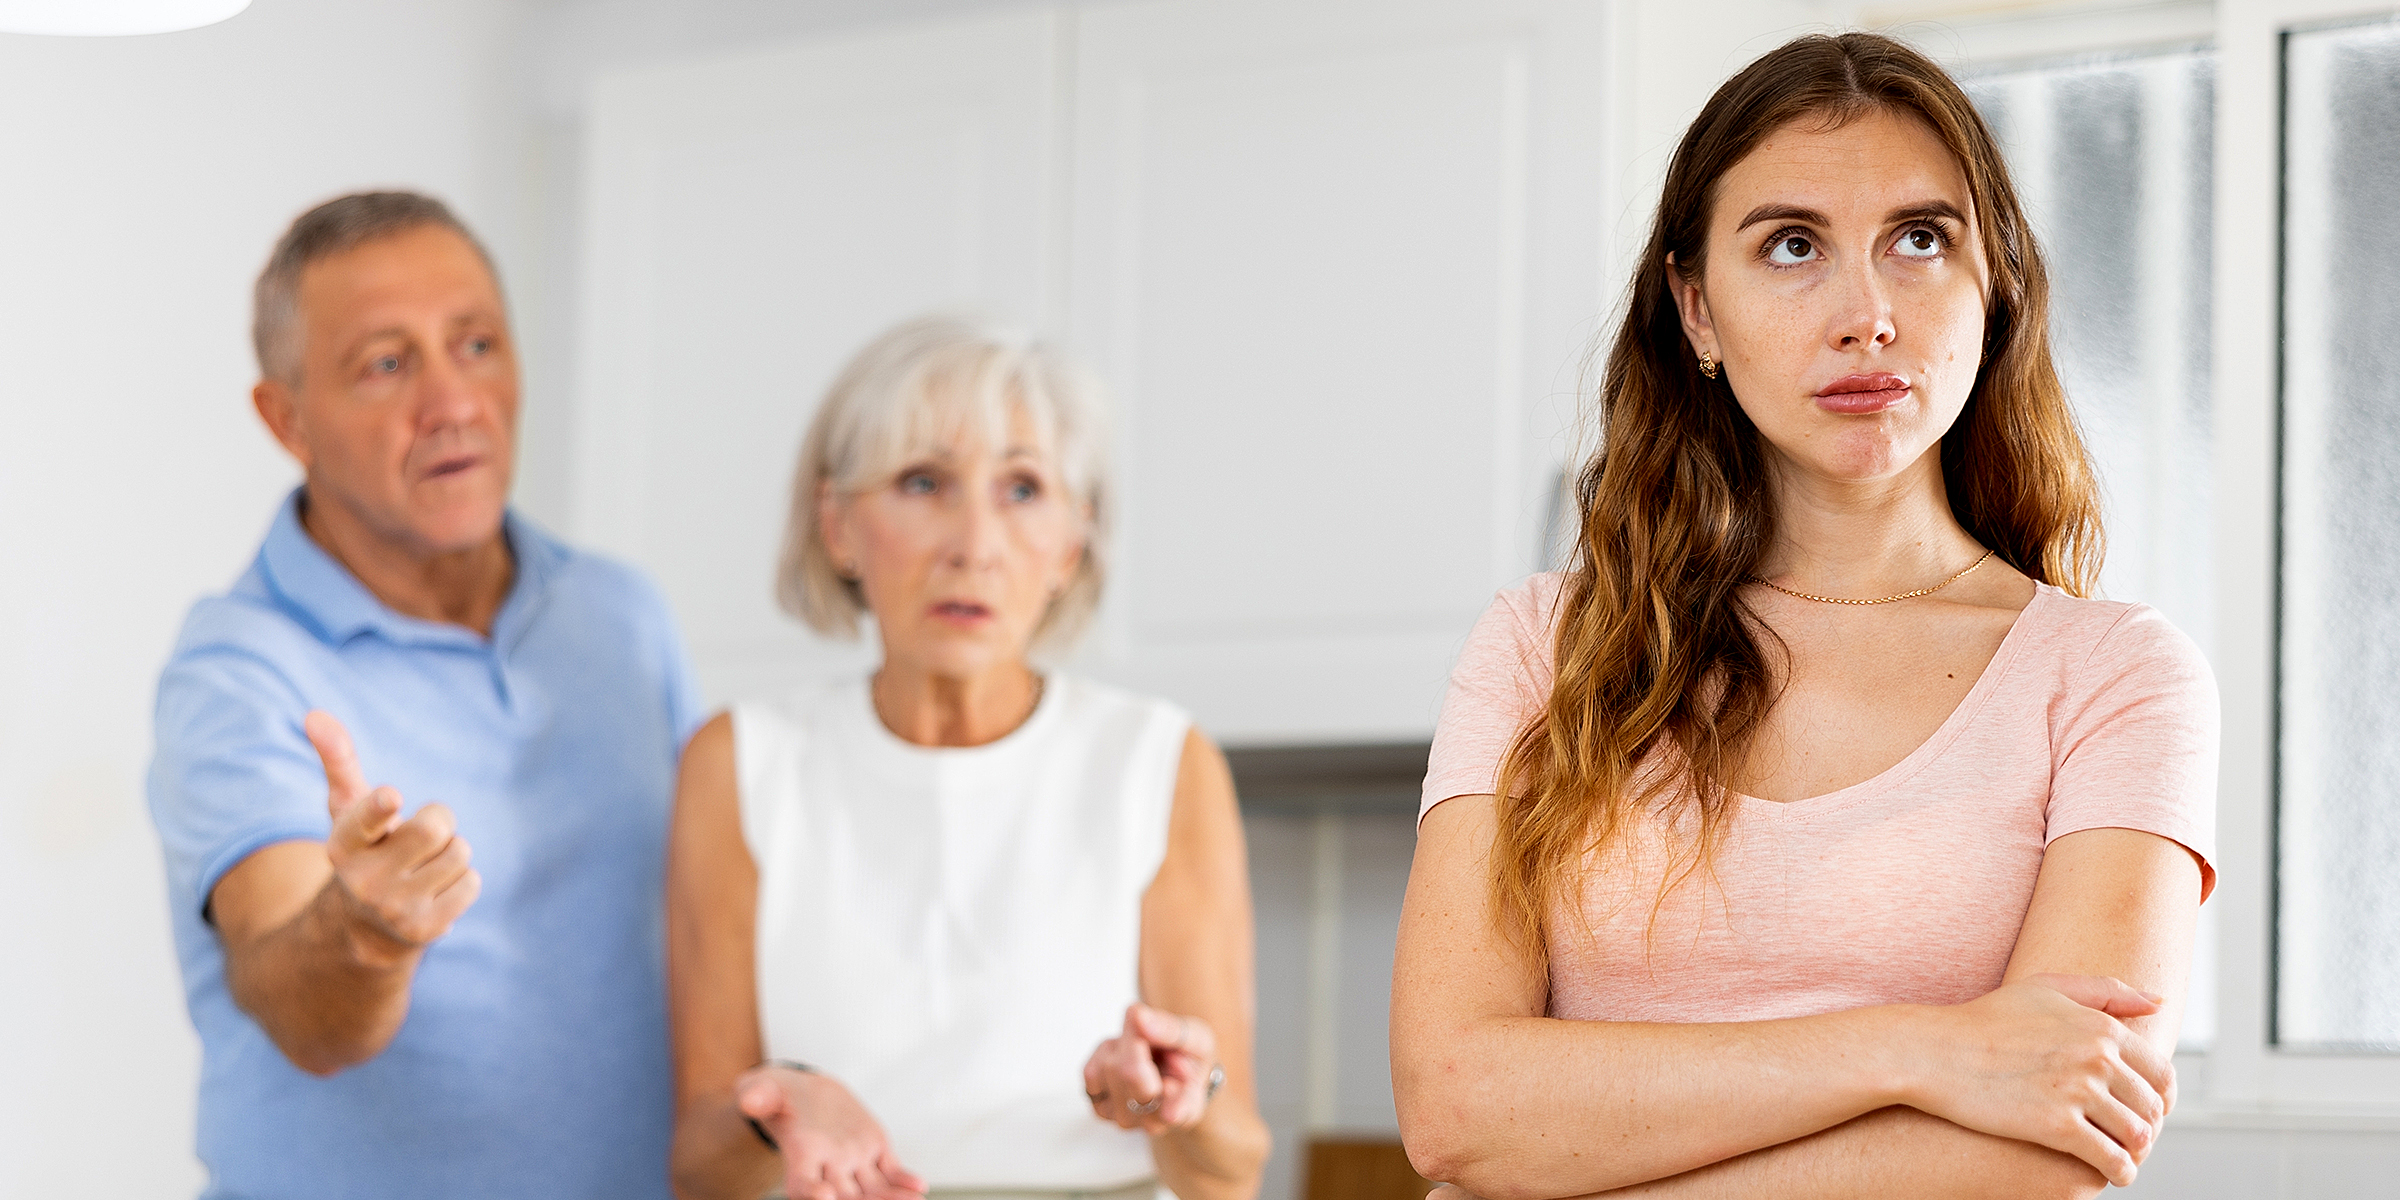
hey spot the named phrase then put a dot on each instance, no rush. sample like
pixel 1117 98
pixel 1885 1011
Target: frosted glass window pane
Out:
pixel 2112 159
pixel 2338 805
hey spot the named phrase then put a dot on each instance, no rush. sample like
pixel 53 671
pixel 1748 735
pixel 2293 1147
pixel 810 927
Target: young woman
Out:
pixel 1814 835
pixel 961 926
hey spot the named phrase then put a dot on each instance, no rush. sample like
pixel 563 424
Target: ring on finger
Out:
pixel 1143 1108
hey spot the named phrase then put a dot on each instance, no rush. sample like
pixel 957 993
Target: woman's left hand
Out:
pixel 1154 1076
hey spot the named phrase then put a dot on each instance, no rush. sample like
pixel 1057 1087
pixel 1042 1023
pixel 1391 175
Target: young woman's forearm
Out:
pixel 1498 1103
pixel 1889 1154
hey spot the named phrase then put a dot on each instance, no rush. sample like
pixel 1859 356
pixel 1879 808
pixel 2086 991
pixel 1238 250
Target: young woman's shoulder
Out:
pixel 2096 643
pixel 1501 680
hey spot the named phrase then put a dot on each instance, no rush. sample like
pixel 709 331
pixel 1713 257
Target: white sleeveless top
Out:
pixel 951 931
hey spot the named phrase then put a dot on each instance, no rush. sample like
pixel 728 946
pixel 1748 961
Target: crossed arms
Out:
pixel 2052 1085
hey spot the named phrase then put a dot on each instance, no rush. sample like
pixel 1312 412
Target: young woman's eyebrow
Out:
pixel 1783 212
pixel 1926 211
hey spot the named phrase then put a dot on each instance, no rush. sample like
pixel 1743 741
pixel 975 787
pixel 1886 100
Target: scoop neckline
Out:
pixel 1963 714
pixel 862 707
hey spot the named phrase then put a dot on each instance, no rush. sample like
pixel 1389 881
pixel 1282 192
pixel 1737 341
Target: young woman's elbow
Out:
pixel 1445 1152
pixel 1437 1146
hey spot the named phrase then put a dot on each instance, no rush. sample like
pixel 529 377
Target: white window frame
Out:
pixel 2243 1080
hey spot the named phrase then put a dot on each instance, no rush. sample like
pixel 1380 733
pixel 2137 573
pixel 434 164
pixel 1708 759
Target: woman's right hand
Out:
pixel 2048 1060
pixel 832 1147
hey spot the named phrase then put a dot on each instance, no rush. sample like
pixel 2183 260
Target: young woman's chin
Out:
pixel 1854 458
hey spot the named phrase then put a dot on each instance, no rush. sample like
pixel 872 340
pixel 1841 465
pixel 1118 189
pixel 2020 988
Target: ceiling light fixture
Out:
pixel 111 17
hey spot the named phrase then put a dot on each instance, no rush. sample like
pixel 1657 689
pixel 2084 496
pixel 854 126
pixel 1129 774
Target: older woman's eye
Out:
pixel 1920 242
pixel 1791 249
pixel 1023 491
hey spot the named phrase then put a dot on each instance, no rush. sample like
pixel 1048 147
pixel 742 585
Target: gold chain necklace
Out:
pixel 1883 599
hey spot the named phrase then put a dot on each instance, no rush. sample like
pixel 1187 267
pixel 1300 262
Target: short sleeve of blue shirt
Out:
pixel 534 1057
pixel 245 776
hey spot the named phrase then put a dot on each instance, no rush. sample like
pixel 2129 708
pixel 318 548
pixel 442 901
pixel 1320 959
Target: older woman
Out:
pixel 1814 836
pixel 904 910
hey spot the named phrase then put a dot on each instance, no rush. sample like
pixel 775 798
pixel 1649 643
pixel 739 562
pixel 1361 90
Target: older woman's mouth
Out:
pixel 962 612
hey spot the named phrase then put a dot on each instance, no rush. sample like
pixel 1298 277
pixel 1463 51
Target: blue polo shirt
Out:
pixel 534 1058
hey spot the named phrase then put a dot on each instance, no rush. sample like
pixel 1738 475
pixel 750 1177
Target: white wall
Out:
pixel 146 179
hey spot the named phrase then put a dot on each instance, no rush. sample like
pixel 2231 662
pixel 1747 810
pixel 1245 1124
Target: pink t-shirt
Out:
pixel 1908 888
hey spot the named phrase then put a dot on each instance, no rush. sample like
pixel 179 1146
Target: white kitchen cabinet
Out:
pixel 1339 262
pixel 750 221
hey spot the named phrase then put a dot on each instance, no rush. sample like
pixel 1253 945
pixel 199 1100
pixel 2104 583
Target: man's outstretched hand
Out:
pixel 406 881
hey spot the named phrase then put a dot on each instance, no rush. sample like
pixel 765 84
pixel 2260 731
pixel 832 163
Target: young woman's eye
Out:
pixel 918 483
pixel 1923 241
pixel 1791 248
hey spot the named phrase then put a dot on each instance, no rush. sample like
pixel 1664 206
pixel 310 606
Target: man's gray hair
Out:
pixel 340 224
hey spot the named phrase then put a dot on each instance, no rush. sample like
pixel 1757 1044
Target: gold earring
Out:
pixel 1708 365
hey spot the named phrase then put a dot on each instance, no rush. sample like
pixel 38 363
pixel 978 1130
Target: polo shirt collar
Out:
pixel 327 598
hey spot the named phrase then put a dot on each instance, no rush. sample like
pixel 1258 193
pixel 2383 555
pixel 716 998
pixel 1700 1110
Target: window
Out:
pixel 2212 184
pixel 2337 931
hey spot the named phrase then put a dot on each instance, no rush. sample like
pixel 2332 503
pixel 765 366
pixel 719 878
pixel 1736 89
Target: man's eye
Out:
pixel 386 364
pixel 479 346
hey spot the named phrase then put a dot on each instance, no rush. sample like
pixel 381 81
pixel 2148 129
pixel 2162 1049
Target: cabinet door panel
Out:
pixel 1330 260
pixel 752 220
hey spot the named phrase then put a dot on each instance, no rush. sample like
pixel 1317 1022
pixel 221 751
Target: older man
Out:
pixel 383 1011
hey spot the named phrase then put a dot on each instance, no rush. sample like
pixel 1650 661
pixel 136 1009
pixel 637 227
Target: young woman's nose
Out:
pixel 1862 316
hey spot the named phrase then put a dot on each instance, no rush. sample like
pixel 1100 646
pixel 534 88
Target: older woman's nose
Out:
pixel 975 533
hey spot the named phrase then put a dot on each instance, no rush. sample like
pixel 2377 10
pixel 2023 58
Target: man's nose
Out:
pixel 1862 317
pixel 446 397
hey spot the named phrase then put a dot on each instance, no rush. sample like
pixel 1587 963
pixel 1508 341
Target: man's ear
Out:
pixel 280 410
pixel 1691 304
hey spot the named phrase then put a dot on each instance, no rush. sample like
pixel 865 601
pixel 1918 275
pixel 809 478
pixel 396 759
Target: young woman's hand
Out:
pixel 1153 1076
pixel 2047 1060
pixel 832 1147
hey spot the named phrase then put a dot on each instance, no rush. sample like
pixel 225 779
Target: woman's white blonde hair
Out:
pixel 924 385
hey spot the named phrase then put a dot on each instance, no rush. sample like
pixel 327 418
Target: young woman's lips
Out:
pixel 1853 394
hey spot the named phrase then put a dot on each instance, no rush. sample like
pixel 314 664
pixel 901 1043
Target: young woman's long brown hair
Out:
pixel 1659 661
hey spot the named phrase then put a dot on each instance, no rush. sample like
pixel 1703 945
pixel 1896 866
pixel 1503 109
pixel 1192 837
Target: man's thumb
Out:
pixel 344 782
